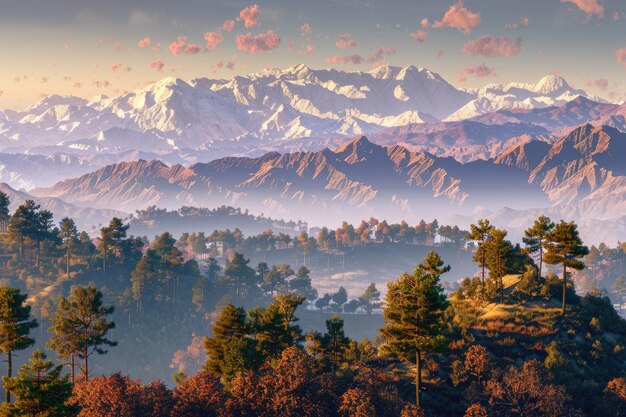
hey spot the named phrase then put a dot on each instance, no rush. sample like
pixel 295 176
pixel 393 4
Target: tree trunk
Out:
pixel 482 255
pixel 72 374
pixel 418 377
pixel 86 365
pixel 68 263
pixel 564 288
pixel 9 373
pixel 540 258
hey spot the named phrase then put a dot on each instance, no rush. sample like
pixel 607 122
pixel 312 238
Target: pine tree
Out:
pixel 414 319
pixel 480 233
pixel 145 276
pixel 239 274
pixel 302 284
pixel 111 238
pixel 15 326
pixel 370 298
pixel 497 249
pixel 23 226
pixel 433 265
pixel 69 236
pixel 80 326
pixel 4 211
pixel 329 348
pixel 534 238
pixel 39 389
pixel 230 349
pixel 564 246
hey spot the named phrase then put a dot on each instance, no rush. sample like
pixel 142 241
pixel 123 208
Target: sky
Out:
pixel 90 47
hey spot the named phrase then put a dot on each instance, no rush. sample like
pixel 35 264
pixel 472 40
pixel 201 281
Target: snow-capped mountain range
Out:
pixel 283 110
pixel 280 141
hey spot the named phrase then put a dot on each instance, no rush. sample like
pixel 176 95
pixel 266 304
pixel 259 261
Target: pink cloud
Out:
pixel 116 66
pixel 478 71
pixel 345 59
pixel 101 83
pixel 345 41
pixel 616 16
pixel 231 64
pixel 523 21
pixel 493 46
pixel 458 17
pixel 307 50
pixel 602 84
pixel 419 35
pixel 290 46
pixel 620 55
pixel 379 54
pixel 228 25
pixel 44 80
pixel 77 85
pixel 589 7
pixel 255 44
pixel 306 29
pixel 425 23
pixel 177 46
pixel 439 53
pixel 218 65
pixel 180 46
pixel 157 65
pixel 67 45
pixel 250 16
pixel 213 39
pixel 144 43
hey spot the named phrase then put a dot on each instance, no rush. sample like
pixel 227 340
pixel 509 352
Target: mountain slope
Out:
pixel 359 176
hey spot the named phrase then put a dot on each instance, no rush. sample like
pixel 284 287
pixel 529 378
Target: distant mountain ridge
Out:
pixel 359 174
pixel 579 176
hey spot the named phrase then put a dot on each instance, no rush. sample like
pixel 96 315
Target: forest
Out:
pixel 109 323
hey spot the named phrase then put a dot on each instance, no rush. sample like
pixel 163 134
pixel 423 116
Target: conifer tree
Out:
pixel 239 274
pixel 302 285
pixel 433 265
pixel 111 238
pixel 340 297
pixel 15 326
pixel 230 349
pixel 565 247
pixel 69 236
pixel 480 233
pixel 370 298
pixel 497 248
pixel 414 319
pixel 329 348
pixel 80 326
pixel 534 238
pixel 39 390
pixel 4 210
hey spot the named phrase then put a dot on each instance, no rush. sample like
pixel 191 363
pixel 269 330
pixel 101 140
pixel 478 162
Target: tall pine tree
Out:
pixel 414 319
pixel 80 326
pixel 15 326
pixel 565 247
pixel 534 238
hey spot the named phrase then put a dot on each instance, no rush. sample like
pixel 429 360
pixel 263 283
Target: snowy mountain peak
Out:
pixel 551 84
pixel 300 70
